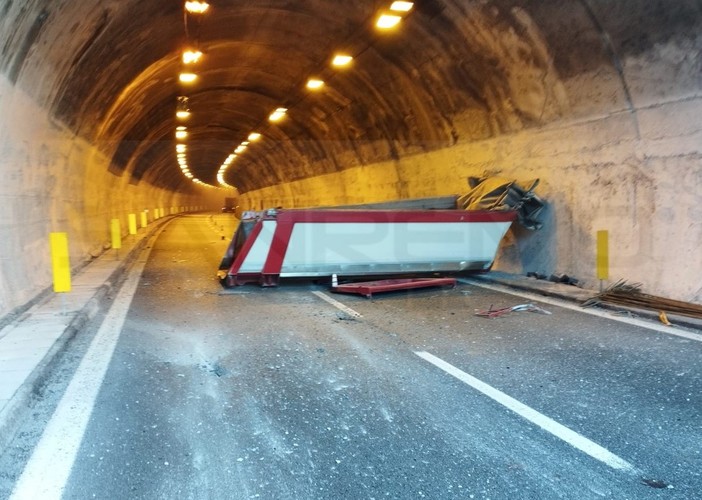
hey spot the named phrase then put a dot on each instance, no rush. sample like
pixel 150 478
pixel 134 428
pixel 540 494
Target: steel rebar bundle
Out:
pixel 630 294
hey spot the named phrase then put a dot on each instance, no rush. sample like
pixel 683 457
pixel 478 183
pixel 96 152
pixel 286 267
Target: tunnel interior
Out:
pixel 599 100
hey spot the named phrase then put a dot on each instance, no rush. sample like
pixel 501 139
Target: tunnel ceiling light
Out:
pixel 180 148
pixel 387 21
pixel 197 7
pixel 187 77
pixel 182 108
pixel 401 6
pixel 191 56
pixel 245 143
pixel 181 127
pixel 278 114
pixel 315 84
pixel 181 134
pixel 254 136
pixel 240 149
pixel 341 60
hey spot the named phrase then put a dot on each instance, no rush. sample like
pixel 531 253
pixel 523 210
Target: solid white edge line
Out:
pixel 337 304
pixel 569 436
pixel 48 469
pixel 670 330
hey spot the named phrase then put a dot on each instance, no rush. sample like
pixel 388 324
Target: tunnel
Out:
pixel 601 101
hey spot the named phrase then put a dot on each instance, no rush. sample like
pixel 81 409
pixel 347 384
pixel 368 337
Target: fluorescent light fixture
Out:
pixel 181 127
pixel 240 149
pixel 254 136
pixel 401 6
pixel 278 114
pixel 182 114
pixel 245 143
pixel 315 84
pixel 180 148
pixel 191 56
pixel 341 60
pixel 181 134
pixel 197 7
pixel 187 77
pixel 387 21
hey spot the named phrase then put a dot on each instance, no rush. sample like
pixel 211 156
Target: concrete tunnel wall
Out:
pixel 54 181
pixel 614 134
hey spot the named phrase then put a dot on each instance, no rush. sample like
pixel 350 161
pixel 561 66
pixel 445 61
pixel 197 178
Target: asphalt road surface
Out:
pixel 279 393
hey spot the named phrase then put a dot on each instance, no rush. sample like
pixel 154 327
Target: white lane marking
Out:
pixel 46 473
pixel 571 437
pixel 593 312
pixel 338 304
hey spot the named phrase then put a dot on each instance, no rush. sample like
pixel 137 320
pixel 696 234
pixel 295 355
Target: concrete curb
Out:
pixel 12 412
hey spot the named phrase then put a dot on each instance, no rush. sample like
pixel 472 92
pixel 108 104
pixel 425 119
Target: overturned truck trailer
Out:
pixel 318 243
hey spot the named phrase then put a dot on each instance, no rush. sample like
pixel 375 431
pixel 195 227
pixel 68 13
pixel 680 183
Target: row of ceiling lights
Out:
pixel 387 19
pixel 189 56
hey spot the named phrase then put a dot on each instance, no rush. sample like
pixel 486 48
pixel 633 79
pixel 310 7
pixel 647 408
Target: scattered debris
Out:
pixel 630 295
pixel 655 483
pixel 368 288
pixel 495 313
pixel 499 193
pixel 664 318
pixel 555 278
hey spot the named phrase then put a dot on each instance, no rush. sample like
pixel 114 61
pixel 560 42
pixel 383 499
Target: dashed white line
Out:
pixel 338 304
pixel 569 436
pixel 670 330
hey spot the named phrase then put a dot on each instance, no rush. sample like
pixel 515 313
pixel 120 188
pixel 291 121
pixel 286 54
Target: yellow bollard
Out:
pixel 60 262
pixel 116 232
pixel 132 224
pixel 603 255
pixel 144 218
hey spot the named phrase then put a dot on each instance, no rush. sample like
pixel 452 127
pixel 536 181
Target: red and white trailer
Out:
pixel 322 242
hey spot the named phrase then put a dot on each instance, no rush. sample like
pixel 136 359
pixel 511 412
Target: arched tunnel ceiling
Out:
pixel 455 70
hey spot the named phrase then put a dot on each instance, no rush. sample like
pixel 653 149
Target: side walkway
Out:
pixel 29 344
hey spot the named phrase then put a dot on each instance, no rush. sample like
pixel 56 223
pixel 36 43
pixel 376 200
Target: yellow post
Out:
pixel 116 232
pixel 60 262
pixel 144 219
pixel 602 255
pixel 132 224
